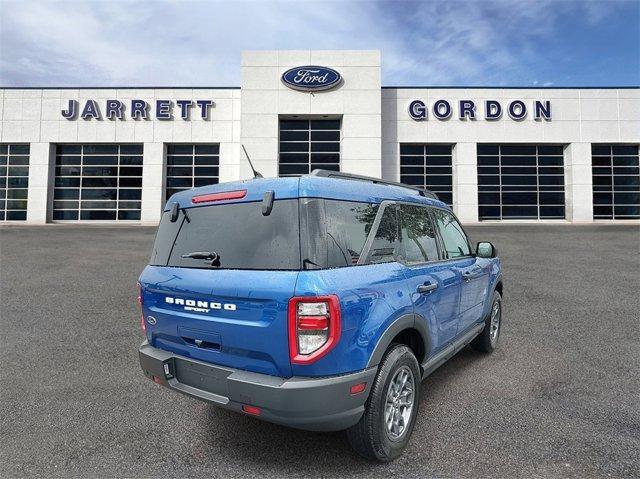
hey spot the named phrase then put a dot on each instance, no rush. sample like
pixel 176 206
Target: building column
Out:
pixel 41 179
pixel 153 167
pixel 578 183
pixel 465 182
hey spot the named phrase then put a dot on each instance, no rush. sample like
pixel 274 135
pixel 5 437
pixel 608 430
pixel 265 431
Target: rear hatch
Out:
pixel 228 307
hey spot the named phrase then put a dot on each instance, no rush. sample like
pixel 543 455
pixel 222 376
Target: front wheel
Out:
pixel 487 340
pixel 390 412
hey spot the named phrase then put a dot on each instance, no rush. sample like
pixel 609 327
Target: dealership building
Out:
pixel 563 155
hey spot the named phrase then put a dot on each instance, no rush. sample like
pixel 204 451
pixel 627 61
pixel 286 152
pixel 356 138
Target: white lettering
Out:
pixel 307 76
pixel 199 305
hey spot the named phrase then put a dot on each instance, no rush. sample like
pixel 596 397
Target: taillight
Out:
pixel 143 325
pixel 314 327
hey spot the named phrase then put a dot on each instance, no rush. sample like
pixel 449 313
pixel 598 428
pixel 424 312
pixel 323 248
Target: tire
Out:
pixel 371 437
pixel 487 340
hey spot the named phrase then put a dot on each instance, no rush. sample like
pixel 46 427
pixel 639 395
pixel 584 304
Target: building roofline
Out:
pixel 475 87
pixel 119 87
pixel 394 87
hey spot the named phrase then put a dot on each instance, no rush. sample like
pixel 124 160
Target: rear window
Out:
pixel 241 236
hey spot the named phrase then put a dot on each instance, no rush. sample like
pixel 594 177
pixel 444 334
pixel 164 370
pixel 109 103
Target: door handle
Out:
pixel 427 287
pixel 472 274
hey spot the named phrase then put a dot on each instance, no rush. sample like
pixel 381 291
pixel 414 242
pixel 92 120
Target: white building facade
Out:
pixel 496 154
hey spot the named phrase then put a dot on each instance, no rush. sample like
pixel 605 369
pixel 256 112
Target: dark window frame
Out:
pixel 70 209
pixel 505 156
pixel 307 165
pixel 424 155
pixel 600 173
pixel 193 155
pixel 7 153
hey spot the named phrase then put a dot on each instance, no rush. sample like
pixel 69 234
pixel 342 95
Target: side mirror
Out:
pixel 484 249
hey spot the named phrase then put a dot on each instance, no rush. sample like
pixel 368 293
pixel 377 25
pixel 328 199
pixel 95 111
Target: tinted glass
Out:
pixel 96 173
pixel 347 224
pixel 386 242
pixel 512 179
pixel 428 166
pixel 306 145
pixel 616 181
pixel 165 237
pixel 418 235
pixel 189 166
pixel 454 239
pixel 238 233
pixel 14 181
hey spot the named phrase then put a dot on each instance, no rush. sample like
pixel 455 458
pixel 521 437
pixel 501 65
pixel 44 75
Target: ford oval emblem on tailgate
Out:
pixel 311 78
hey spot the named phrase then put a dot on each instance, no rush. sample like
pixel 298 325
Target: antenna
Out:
pixel 255 173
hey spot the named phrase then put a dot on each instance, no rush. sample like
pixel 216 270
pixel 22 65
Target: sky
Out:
pixel 430 43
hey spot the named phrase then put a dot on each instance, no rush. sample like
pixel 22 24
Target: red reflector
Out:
pixel 143 325
pixel 157 380
pixel 226 195
pixel 358 388
pixel 313 322
pixel 253 410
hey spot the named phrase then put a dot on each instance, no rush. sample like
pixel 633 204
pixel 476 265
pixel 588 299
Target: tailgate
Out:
pixel 235 318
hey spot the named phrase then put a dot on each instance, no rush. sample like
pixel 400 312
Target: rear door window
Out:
pixel 238 233
pixel 418 235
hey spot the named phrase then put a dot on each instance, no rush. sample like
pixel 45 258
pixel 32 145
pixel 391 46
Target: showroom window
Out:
pixel 428 166
pixel 520 182
pixel 189 166
pixel 98 182
pixel 616 182
pixel 14 182
pixel 306 145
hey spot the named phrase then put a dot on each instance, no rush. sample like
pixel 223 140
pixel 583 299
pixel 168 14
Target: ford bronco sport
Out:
pixel 317 302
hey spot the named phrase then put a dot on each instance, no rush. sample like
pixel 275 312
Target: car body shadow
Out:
pixel 267 444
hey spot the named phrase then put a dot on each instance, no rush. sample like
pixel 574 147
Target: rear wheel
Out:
pixel 390 412
pixel 487 340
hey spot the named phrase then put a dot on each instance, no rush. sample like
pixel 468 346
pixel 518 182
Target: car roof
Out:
pixel 307 186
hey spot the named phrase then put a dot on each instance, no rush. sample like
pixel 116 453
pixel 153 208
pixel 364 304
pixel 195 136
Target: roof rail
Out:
pixel 349 176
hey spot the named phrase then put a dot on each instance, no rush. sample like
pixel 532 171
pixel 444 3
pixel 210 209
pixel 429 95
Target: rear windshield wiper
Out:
pixel 208 255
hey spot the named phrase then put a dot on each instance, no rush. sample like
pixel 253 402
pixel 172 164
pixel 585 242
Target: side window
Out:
pixel 348 224
pixel 418 235
pixel 386 243
pixel 455 241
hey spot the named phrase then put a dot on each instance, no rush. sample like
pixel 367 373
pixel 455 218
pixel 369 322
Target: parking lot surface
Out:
pixel 559 398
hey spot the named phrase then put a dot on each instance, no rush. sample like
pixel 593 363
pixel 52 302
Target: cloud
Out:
pixel 198 43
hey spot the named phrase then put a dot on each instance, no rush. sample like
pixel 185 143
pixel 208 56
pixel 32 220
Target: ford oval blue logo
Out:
pixel 311 78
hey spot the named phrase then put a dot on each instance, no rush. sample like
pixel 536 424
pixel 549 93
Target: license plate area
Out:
pixel 201 376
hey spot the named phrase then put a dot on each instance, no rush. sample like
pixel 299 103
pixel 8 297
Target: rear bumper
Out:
pixel 316 404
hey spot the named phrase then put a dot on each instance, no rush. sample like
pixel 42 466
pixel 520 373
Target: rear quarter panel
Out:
pixel 371 298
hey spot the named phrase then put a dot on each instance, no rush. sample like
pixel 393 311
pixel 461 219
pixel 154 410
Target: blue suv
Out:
pixel 319 302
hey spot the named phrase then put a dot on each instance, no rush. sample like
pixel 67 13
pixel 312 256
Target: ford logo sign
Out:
pixel 311 78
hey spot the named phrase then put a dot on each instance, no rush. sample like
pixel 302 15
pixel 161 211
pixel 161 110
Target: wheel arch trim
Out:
pixel 407 321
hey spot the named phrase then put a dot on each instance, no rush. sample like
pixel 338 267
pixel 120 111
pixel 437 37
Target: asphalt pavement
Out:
pixel 560 397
